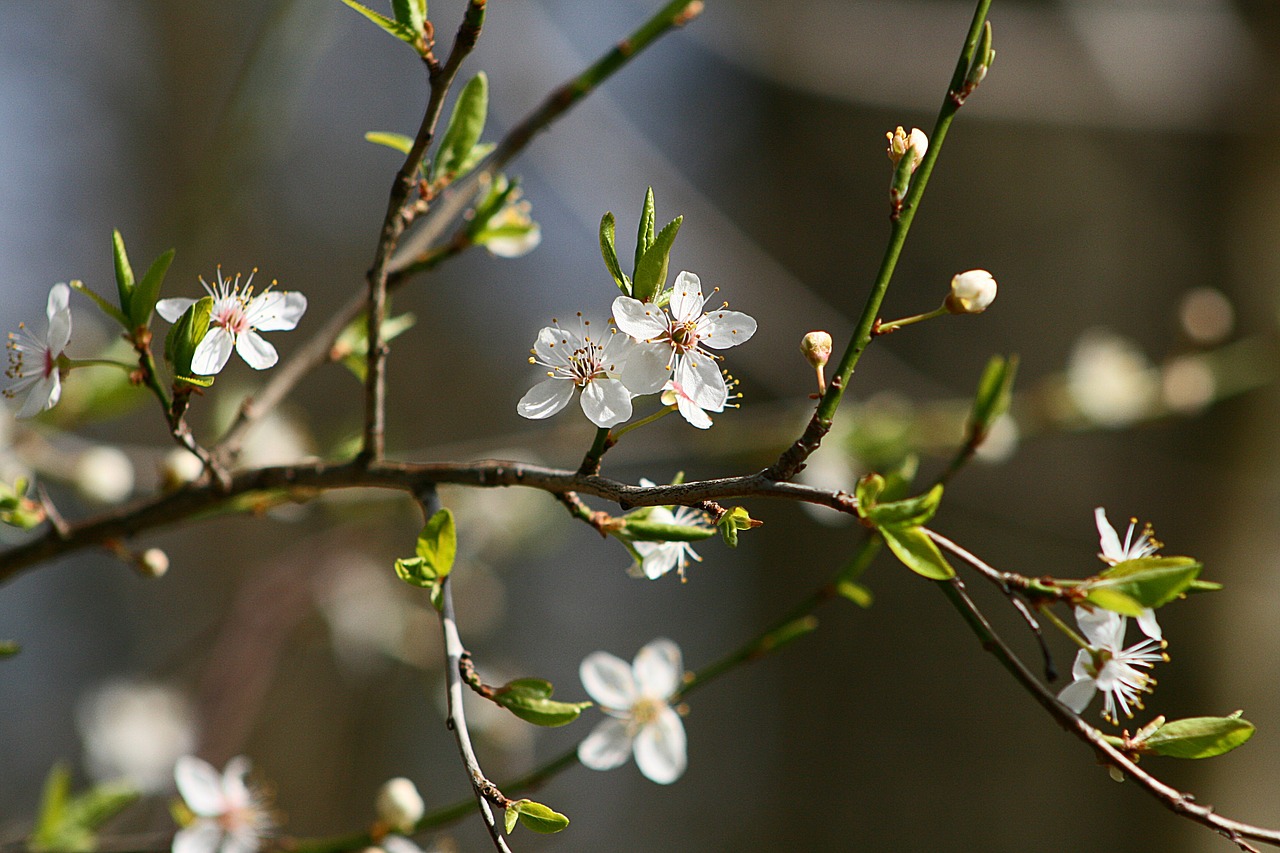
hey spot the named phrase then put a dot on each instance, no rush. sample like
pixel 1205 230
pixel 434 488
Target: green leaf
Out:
pixel 183 338
pixel 398 141
pixel 609 251
pixel 1198 585
pixel 734 520
pixel 538 817
pixel 917 552
pixel 1199 737
pixel 530 700
pixel 867 491
pixel 651 269
pixel 465 126
pixel 395 28
pixel 509 818
pixel 411 13
pixel 898 479
pixel 106 307
pixel 855 592
pixel 438 543
pixel 147 291
pixel 644 236
pixel 1149 581
pixel 995 391
pixel 643 530
pixel 911 511
pixel 415 572
pixel 1114 600
pixel 124 272
pixel 352 345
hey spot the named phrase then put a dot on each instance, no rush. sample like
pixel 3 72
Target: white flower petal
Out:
pixel 1103 628
pixel 242 840
pixel 1147 622
pixel 608 680
pixel 608 746
pixel 44 394
pixel 658 558
pixel 641 320
pixel 1083 665
pixel 234 789
pixel 1112 551
pixel 203 836
pixel 1078 694
pixel 691 413
pixel 200 786
pixel 661 749
pixel 59 313
pixel 606 402
pixel 724 329
pixel 172 309
pixel 702 381
pixel 686 298
pixel 545 399
pixel 276 310
pixel 647 368
pixel 554 346
pixel 212 352
pixel 658 669
pixel 256 351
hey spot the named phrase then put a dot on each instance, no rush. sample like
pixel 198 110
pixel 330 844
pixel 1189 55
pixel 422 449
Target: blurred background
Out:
pixel 1117 173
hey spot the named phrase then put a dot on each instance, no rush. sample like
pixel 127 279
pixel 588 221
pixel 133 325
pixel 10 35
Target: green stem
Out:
pixel 661 413
pixel 73 363
pixel 591 462
pixel 886 328
pixel 792 460
pixel 1065 628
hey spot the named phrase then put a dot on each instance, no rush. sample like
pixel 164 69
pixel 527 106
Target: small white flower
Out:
pixel 135 732
pixel 511 232
pixel 972 292
pixel 609 373
pixel 637 699
pixel 900 142
pixel 685 334
pixel 237 317
pixel 1145 545
pixel 1110 379
pixel 1108 667
pixel 34 363
pixel 658 558
pixel 231 817
pixel 399 804
pixel 103 474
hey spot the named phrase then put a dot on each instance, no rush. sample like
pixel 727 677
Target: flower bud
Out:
pixel 153 562
pixel 399 804
pixel 180 467
pixel 816 347
pixel 104 475
pixel 971 292
pixel 900 142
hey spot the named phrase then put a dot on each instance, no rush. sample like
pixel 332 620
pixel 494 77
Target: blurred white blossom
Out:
pixel 230 815
pixel 103 474
pixel 1110 380
pixel 135 732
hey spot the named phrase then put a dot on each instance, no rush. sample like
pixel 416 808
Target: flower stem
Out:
pixel 886 328
pixel 73 363
pixel 591 462
pixel 661 413
pixel 1065 628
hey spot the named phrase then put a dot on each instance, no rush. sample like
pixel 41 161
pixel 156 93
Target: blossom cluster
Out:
pixel 653 348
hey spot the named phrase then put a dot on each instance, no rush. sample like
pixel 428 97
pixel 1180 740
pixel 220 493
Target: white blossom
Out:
pixel 900 142
pixel 1107 667
pixel 399 804
pixel 637 700
pixel 34 363
pixel 238 315
pixel 103 474
pixel 609 373
pixel 658 558
pixel 685 332
pixel 231 816
pixel 135 732
pixel 972 292
pixel 1113 551
pixel 1110 380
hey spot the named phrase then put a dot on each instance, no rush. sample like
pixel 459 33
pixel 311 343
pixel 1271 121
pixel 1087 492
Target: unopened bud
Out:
pixel 399 804
pixel 971 292
pixel 816 347
pixel 153 562
pixel 104 475
pixel 180 467
pixel 901 142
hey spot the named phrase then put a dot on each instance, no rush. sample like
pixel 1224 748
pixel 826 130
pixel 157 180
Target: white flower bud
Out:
pixel 900 142
pixel 153 562
pixel 399 804
pixel 816 347
pixel 104 475
pixel 971 292
pixel 180 467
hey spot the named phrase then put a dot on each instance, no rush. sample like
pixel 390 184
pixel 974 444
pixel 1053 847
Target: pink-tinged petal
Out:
pixel 686 298
pixel 702 381
pixel 606 402
pixel 212 352
pixel 724 329
pixel 200 786
pixel 690 411
pixel 658 669
pixel 643 321
pixel 545 399
pixel 172 309
pixel 1147 622
pixel 1112 551
pixel 608 680
pixel 1078 694
pixel 234 789
pixel 256 351
pixel 44 394
pixel 608 746
pixel 203 836
pixel 647 368
pixel 59 313
pixel 661 749
pixel 276 310
pixel 243 840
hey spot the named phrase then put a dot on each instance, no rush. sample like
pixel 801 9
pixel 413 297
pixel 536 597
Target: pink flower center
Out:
pixel 230 314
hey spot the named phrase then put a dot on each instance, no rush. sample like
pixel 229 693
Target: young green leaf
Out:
pixel 609 251
pixel 124 272
pixel 651 269
pixel 867 491
pixel 147 291
pixel 1149 581
pixel 855 592
pixel 438 543
pixel 465 126
pixel 644 235
pixel 734 520
pixel 643 530
pixel 401 31
pixel 397 141
pixel 1199 737
pixel 183 338
pixel 530 700
pixel 1116 601
pixel 913 511
pixel 411 13
pixel 995 391
pixel 538 817
pixel 917 552
pixel 103 305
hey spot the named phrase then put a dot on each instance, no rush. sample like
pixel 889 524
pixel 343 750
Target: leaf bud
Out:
pixel 971 292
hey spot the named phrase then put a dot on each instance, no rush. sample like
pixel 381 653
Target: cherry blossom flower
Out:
pixel 637 700
pixel 972 292
pixel 686 333
pixel 1113 552
pixel 35 365
pixel 231 817
pixel 237 317
pixel 1108 667
pixel 901 142
pixel 609 373
pixel 658 558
